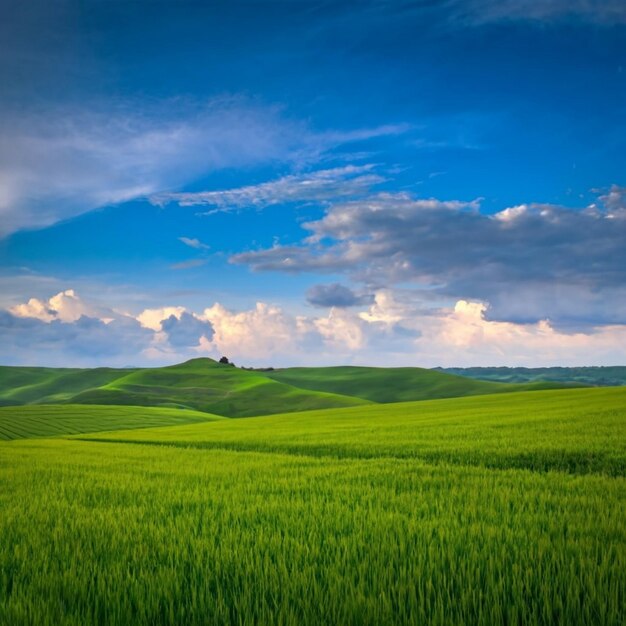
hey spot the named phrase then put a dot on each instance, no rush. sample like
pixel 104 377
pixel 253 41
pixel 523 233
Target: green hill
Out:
pixel 25 385
pixel 394 384
pixel 204 385
pixel 21 422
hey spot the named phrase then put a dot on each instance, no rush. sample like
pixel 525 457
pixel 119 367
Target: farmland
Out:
pixel 478 510
pixel 51 420
pixel 579 431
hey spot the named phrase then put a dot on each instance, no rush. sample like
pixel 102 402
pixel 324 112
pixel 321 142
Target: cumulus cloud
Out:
pixel 186 331
pixel 394 329
pixel 84 341
pixel 259 333
pixel 268 334
pixel 320 185
pixel 65 306
pixel 465 335
pixel 397 330
pixel 614 200
pixel 336 295
pixel 529 262
pixel 152 318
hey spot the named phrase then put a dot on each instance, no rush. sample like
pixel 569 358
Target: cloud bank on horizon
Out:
pixel 313 186
pixel 66 328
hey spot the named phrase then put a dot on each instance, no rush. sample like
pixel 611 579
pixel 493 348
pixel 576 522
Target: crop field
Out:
pixel 482 510
pixel 18 422
pixel 579 430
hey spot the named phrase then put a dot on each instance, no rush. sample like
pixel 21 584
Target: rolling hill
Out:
pixel 395 384
pixel 199 384
pixel 25 385
pixel 204 385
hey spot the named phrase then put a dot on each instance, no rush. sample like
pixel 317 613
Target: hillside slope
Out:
pixel 204 385
pixel 394 384
pixel 25 385
pixel 26 422
pixel 573 430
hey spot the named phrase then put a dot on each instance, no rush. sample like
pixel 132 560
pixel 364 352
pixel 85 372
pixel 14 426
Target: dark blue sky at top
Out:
pixel 509 110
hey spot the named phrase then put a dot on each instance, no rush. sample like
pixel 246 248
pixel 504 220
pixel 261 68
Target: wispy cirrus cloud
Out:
pixel 63 161
pixel 488 11
pixel 188 265
pixel 471 13
pixel 318 186
pixel 193 242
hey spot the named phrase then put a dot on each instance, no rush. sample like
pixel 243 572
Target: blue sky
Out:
pixel 404 182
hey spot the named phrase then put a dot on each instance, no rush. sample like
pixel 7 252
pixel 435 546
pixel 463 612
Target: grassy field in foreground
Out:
pixel 19 422
pixel 123 534
pixel 437 513
pixel 578 430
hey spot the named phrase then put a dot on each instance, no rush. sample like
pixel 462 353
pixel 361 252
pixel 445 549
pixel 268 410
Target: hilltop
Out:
pixel 205 385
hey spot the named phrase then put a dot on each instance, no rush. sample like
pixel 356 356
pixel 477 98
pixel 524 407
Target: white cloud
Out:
pixel 531 262
pixel 186 331
pixel 320 185
pixel 152 318
pixel 342 330
pixel 193 243
pixel 464 336
pixel 263 332
pixel 393 330
pixel 512 213
pixel 59 163
pixel 65 306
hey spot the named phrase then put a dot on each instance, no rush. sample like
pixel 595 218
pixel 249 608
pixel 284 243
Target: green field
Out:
pixel 580 431
pixel 500 509
pixel 20 422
